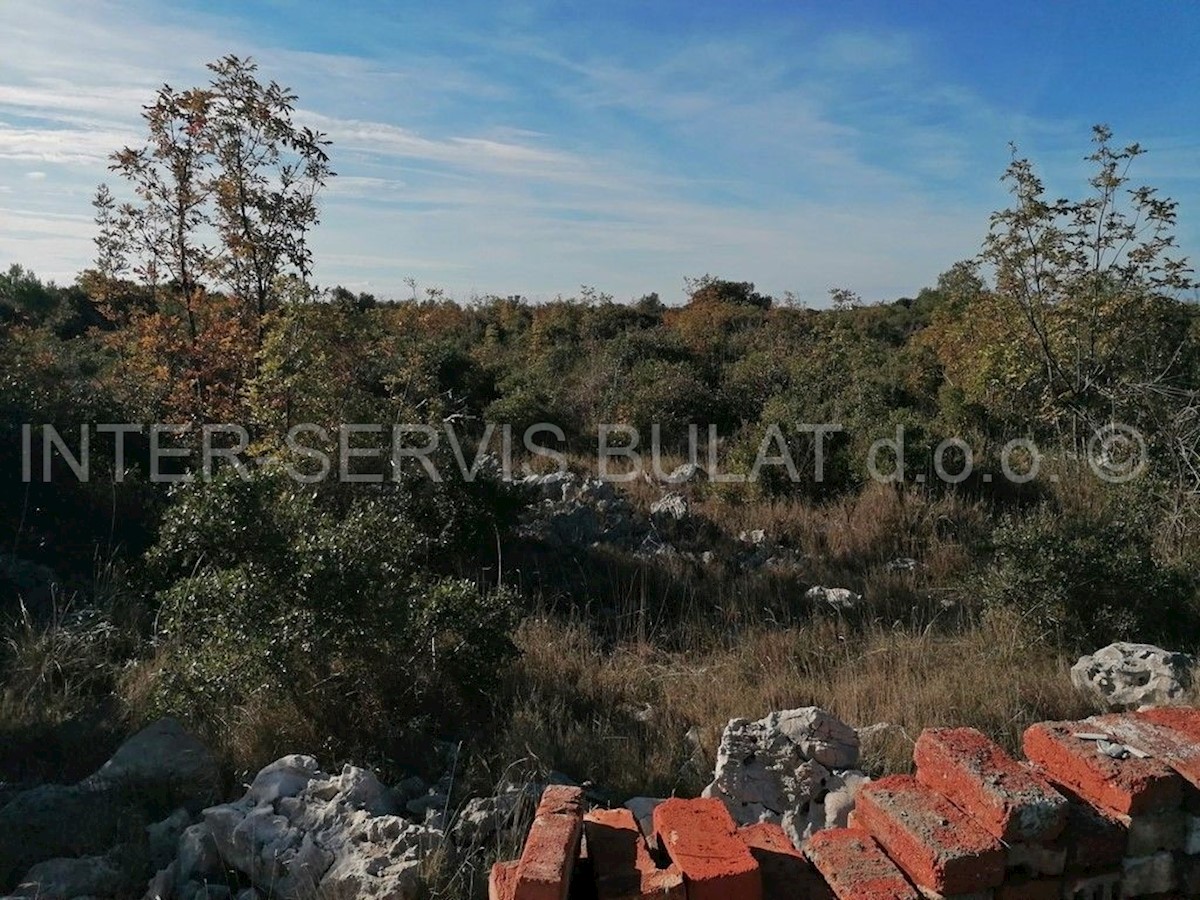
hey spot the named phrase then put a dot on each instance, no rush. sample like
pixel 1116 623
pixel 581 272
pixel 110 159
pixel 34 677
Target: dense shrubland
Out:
pixel 360 619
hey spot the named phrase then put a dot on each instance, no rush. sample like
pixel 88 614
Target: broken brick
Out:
pixel 561 800
pixel 551 847
pixel 936 844
pixel 701 839
pixel 855 867
pixel 1127 786
pixel 977 776
pixel 1184 719
pixel 621 862
pixel 502 881
pixel 1175 748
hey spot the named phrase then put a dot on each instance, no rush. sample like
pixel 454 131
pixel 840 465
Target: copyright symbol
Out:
pixel 1117 453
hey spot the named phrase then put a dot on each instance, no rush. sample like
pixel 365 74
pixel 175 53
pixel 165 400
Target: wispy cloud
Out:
pixel 493 151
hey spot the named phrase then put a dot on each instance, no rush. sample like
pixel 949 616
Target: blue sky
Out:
pixel 534 147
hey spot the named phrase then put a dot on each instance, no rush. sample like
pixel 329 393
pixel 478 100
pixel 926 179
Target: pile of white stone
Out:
pixel 301 833
pixel 795 768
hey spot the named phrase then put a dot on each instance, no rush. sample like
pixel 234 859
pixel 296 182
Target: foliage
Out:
pixel 321 601
pixel 347 618
pixel 224 158
pixel 1082 283
pixel 1085 579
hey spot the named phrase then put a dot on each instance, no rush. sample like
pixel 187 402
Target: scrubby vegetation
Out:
pixel 360 618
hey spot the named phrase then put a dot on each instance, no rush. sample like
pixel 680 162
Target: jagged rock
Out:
pixel 164 761
pixel 1126 676
pixel 575 512
pixel 159 769
pixel 552 486
pixel 483 818
pixel 670 507
pixel 197 858
pixel 162 838
pixel 360 789
pixel 162 884
pixel 833 809
pixel 286 777
pixel 64 879
pixel 773 770
pixel 299 833
pixel 33 826
pixel 902 564
pixel 755 538
pixel 840 599
pixel 357 877
pixel 687 473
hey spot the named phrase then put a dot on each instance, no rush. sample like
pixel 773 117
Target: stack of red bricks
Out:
pixel 1101 809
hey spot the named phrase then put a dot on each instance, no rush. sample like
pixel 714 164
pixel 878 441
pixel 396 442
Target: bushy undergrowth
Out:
pixel 1082 578
pixel 319 605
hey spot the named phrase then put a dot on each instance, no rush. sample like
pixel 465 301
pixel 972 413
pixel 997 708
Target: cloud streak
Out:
pixel 489 154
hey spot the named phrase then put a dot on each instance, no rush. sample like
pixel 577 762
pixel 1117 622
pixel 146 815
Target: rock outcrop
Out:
pixel 102 833
pixel 300 833
pixel 1126 676
pixel 794 768
pixel 839 599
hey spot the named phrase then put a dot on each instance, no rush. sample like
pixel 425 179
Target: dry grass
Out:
pixel 630 683
pixel 621 716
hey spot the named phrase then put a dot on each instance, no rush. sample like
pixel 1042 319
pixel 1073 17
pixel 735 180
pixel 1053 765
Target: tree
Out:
pixel 225 159
pixel 1088 281
pixel 710 289
pixel 268 172
pixel 169 177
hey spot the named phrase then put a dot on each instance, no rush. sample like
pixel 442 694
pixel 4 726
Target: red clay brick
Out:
pixel 561 800
pixel 855 868
pixel 1176 748
pixel 621 862
pixel 785 871
pixel 1094 839
pixel 936 844
pixel 551 847
pixel 1030 889
pixel 701 839
pixel 978 777
pixel 1125 786
pixel 1184 719
pixel 502 882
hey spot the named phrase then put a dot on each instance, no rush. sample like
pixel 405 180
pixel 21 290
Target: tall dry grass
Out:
pixel 637 719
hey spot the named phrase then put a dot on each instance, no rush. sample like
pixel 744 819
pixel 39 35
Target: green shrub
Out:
pixel 324 603
pixel 1088 579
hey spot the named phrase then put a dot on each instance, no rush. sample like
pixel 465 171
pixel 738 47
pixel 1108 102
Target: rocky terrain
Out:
pixel 149 823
